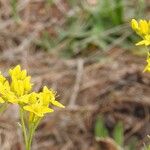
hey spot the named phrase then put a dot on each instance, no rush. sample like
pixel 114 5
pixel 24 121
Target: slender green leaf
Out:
pixel 100 129
pixel 118 133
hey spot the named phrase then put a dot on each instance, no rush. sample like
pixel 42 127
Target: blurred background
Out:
pixel 85 50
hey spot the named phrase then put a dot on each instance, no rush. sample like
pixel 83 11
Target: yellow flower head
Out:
pixel 142 27
pixel 18 92
pixel 4 89
pixel 20 81
pixel 49 95
pixel 134 25
pixel 38 109
pixel 39 102
pixel 6 94
pixel 17 73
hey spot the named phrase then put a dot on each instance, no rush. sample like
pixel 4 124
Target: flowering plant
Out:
pixel 142 28
pixel 32 105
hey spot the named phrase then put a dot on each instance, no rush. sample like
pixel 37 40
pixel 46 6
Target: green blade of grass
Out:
pixel 100 129
pixel 118 133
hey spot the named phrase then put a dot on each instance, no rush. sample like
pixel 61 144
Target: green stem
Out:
pixel 23 127
pixel 31 133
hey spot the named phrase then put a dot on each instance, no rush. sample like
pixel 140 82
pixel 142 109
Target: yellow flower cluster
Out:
pixel 39 102
pixel 18 91
pixel 142 28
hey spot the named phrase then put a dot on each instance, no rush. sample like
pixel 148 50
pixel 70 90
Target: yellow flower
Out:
pixel 38 109
pixel 18 73
pixel 142 27
pixel 15 92
pixel 18 92
pixel 6 94
pixel 20 81
pixel 4 87
pixel 39 102
pixel 49 96
pixel 134 25
pixel 145 41
pixel 23 100
pixel 32 98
